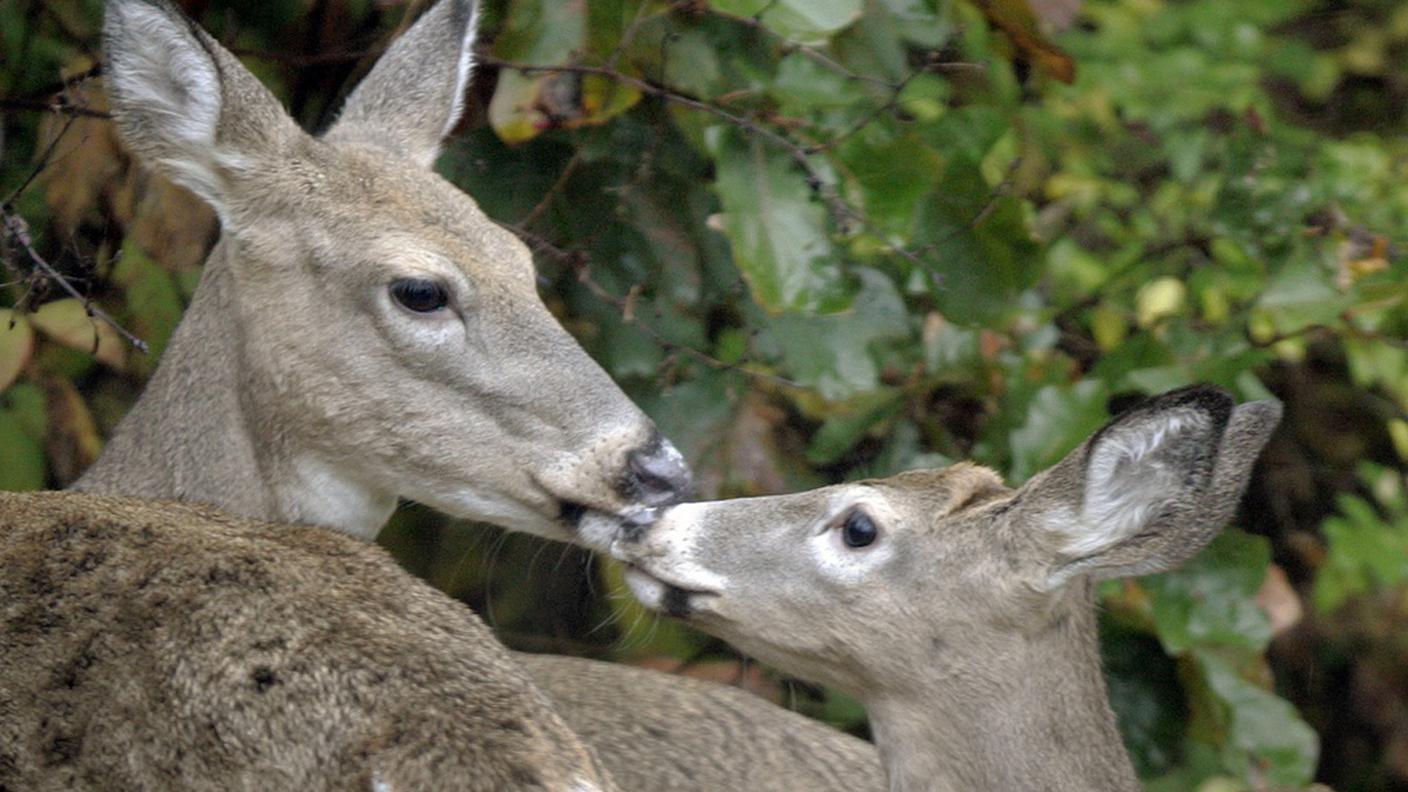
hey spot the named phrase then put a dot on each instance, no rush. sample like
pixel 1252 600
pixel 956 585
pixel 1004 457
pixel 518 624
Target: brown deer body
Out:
pixel 158 646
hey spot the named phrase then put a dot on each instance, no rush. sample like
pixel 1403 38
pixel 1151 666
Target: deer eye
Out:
pixel 420 295
pixel 859 530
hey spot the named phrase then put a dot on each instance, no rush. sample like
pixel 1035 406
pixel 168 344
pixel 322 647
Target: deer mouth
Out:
pixel 671 598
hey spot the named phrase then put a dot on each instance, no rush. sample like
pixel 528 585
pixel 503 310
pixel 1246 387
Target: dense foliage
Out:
pixel 826 239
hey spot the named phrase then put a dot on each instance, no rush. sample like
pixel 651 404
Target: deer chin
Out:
pixel 680 600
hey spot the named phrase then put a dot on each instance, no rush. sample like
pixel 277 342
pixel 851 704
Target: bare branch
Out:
pixel 17 235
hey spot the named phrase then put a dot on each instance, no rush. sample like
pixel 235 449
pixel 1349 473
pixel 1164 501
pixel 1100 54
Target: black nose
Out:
pixel 656 474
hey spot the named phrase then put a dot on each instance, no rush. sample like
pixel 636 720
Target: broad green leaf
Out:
pixel 1211 600
pixel 776 227
pixel 804 21
pixel 1057 420
pixel 16 346
pixel 1301 295
pixel 1267 741
pixel 833 353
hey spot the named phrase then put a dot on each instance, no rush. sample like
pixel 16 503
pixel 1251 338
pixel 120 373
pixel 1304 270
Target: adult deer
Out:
pixel 362 332
pixel 960 611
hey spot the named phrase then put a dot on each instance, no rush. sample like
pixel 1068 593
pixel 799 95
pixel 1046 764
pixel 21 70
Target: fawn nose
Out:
pixel 656 474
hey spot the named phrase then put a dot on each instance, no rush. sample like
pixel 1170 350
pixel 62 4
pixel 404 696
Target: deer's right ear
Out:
pixel 1153 487
pixel 183 104
pixel 414 95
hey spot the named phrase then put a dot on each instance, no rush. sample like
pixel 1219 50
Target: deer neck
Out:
pixel 1038 719
pixel 189 437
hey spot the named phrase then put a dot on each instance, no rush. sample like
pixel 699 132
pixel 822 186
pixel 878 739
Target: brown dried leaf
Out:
pixel 1279 600
pixel 1019 22
pixel 90 177
pixel 16 346
pixel 72 442
pixel 67 322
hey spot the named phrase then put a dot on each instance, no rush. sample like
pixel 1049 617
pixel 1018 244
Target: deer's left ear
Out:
pixel 1152 487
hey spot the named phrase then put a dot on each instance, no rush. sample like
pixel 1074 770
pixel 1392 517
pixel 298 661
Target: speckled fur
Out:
pixel 157 646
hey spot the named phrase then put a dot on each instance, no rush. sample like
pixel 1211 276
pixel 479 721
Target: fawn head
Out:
pixel 859 585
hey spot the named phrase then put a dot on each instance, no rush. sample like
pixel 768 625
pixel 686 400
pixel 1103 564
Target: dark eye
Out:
pixel 858 530
pixel 420 295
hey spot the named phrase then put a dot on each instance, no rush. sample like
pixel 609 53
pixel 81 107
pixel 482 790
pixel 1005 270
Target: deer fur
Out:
pixel 967 625
pixel 159 646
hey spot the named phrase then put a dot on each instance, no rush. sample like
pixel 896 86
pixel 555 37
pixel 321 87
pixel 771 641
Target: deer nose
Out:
pixel 656 474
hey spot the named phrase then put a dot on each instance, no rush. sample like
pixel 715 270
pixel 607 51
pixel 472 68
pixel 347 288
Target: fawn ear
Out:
pixel 414 95
pixel 1151 488
pixel 183 104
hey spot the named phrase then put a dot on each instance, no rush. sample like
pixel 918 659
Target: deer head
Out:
pixel 380 335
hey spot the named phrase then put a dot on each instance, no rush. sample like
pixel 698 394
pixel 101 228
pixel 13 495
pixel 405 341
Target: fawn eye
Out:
pixel 859 530
pixel 420 295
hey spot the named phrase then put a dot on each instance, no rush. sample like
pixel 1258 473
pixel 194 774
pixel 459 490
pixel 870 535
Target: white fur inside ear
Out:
pixel 464 72
pixel 1128 480
pixel 168 85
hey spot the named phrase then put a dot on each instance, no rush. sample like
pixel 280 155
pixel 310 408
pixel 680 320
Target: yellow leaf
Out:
pixel 67 322
pixel 16 346
pixel 1159 299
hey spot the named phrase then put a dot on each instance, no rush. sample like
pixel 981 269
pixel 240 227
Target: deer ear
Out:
pixel 183 104
pixel 414 95
pixel 1153 487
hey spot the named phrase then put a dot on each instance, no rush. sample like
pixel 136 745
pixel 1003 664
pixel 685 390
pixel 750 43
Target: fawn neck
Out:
pixel 197 434
pixel 1037 720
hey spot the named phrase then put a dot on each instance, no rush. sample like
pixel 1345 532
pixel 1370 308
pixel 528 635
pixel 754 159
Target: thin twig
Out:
pixel 57 107
pixel 17 232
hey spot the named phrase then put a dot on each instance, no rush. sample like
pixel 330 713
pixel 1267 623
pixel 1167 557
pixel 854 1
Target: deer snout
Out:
pixel 656 474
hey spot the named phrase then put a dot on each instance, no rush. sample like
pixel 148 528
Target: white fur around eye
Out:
pixel 828 551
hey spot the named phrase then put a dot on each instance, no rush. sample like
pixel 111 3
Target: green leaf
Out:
pixel 803 21
pixel 841 432
pixel 1266 741
pixel 1058 419
pixel 776 227
pixel 153 302
pixel 22 429
pixel 1299 295
pixel 833 353
pixel 1366 552
pixel 1211 600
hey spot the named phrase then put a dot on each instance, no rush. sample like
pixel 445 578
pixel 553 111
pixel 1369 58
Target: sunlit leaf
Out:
pixel 67 321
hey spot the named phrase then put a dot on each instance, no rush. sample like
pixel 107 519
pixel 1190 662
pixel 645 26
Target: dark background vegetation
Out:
pixel 826 239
